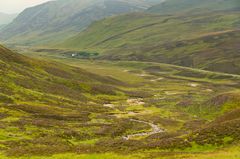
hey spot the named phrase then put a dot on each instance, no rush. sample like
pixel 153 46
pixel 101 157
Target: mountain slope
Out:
pixel 215 52
pixel 20 74
pixel 6 18
pixel 54 20
pixel 207 41
pixel 194 6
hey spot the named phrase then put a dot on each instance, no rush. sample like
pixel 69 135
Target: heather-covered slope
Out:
pixel 41 100
pixel 51 110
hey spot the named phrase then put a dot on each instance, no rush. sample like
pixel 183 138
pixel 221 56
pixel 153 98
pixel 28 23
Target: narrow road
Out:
pixel 155 130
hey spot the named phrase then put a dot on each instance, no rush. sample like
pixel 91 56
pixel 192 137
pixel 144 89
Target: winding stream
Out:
pixel 155 130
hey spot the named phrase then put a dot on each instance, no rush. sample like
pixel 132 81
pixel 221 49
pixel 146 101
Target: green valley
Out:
pixel 118 79
pixel 187 104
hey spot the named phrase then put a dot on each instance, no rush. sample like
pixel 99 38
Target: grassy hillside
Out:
pixel 194 6
pixel 206 41
pixel 53 21
pixel 42 102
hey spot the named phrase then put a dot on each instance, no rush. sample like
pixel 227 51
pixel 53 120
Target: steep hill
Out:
pixel 55 20
pixel 207 41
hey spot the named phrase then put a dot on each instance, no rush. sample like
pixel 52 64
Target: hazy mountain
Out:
pixel 53 20
pixel 6 18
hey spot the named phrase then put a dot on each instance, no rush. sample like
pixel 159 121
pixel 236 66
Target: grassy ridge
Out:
pixel 193 6
pixel 147 37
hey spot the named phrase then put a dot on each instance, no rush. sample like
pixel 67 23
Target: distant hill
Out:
pixel 194 6
pixel 6 18
pixel 207 40
pixel 55 20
